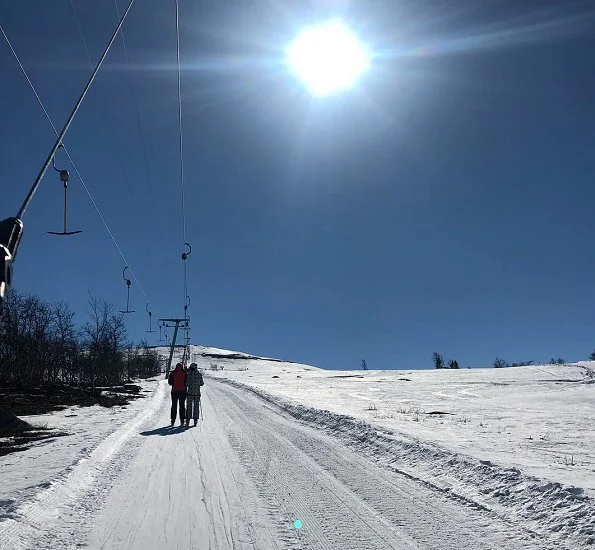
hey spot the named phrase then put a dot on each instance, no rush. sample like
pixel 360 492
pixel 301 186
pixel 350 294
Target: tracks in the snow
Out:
pixel 239 481
pixel 55 517
pixel 343 499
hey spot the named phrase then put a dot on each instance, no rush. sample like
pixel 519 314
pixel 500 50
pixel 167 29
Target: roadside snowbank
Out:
pixel 536 419
pixel 565 514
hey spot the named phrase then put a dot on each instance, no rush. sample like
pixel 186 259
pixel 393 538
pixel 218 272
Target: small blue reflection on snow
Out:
pixel 297 524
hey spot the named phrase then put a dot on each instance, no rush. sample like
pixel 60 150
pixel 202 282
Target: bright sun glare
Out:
pixel 327 57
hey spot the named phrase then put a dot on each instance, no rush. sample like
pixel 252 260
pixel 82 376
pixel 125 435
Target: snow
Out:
pixel 537 419
pixel 37 481
pixel 25 472
pixel 355 456
pixel 518 441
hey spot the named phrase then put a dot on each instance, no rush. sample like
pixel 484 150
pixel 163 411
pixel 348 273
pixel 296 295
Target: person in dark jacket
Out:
pixel 193 383
pixel 177 381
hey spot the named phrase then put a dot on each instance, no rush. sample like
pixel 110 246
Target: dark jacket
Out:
pixel 194 381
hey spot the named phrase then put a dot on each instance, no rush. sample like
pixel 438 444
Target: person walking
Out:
pixel 194 381
pixel 177 381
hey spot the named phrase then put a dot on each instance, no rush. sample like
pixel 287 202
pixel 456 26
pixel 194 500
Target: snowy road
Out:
pixel 241 478
pixel 238 481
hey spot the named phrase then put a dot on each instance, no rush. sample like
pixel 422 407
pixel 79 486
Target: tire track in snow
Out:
pixel 184 489
pixel 303 491
pixel 281 470
pixel 556 516
pixel 343 498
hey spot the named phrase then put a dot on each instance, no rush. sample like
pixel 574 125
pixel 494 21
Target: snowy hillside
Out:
pixel 538 419
pixel 524 435
pixel 288 456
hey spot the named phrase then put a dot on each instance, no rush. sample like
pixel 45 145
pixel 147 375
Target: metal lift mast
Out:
pixel 176 324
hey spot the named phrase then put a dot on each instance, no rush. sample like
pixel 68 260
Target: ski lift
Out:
pixel 150 318
pixel 187 320
pixel 128 284
pixel 187 253
pixel 64 177
pixel 160 331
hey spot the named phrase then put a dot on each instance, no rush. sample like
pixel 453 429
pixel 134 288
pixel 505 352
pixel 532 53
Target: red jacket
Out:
pixel 177 379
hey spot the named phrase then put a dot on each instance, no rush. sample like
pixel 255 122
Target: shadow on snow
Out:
pixel 165 430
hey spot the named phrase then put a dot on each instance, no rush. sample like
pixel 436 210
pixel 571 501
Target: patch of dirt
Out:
pixel 24 401
pixel 10 422
pixel 17 435
pixel 126 388
pixel 243 356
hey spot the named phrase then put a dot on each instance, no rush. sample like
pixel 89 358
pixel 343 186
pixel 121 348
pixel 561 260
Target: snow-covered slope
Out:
pixel 519 442
pixel 538 419
pixel 365 460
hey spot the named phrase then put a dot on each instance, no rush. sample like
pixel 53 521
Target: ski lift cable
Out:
pixel 185 291
pixel 107 118
pixel 37 181
pixel 185 255
pixel 33 89
pixel 135 102
pixel 181 133
pixel 80 29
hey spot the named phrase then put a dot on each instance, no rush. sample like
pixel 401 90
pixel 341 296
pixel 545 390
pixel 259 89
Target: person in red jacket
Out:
pixel 177 381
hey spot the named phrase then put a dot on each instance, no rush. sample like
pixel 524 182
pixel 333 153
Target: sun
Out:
pixel 327 57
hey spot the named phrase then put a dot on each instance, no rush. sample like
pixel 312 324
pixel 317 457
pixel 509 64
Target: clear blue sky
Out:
pixel 443 204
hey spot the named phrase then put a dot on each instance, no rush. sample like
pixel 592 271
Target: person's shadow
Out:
pixel 165 430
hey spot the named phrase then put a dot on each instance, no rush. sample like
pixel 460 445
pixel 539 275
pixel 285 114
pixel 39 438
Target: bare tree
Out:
pixel 104 335
pixel 40 344
pixel 64 344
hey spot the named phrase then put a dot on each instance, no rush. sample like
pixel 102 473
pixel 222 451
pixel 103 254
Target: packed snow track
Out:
pixel 239 481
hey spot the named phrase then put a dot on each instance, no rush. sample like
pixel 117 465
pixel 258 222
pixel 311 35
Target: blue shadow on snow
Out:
pixel 165 430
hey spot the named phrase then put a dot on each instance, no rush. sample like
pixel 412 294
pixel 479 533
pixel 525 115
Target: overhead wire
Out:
pixel 85 187
pixel 180 122
pixel 181 147
pixel 86 48
pixel 109 126
pixel 135 102
pixel 37 182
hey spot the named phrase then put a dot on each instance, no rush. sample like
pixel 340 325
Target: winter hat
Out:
pixel 178 365
pixel 193 365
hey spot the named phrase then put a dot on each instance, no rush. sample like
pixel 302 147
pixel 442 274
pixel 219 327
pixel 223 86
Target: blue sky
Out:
pixel 443 204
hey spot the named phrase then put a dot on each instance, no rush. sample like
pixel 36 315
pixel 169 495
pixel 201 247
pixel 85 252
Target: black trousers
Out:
pixel 178 396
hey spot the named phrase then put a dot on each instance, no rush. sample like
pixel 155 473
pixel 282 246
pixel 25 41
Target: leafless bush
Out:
pixel 40 344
